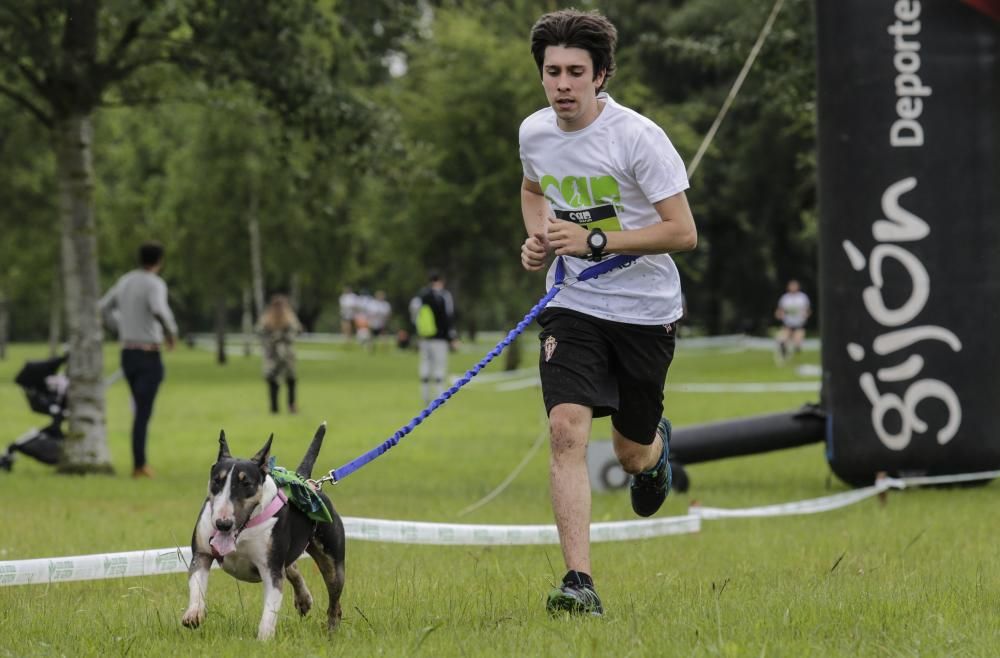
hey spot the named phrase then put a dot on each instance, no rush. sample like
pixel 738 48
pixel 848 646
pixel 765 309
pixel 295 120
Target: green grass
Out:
pixel 915 577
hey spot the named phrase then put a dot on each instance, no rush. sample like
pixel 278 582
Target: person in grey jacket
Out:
pixel 138 301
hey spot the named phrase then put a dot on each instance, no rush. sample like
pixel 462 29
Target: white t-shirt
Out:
pixel 378 311
pixel 609 173
pixel 348 305
pixel 794 309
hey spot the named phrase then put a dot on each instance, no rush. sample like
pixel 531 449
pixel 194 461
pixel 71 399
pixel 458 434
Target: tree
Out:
pixel 455 204
pixel 29 255
pixel 63 59
pixel 754 194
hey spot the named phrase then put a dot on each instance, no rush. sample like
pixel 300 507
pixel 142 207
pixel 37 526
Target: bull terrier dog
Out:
pixel 256 533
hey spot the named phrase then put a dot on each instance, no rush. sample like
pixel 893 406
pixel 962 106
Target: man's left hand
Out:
pixel 567 238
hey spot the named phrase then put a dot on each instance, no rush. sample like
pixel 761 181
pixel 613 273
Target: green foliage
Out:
pixel 361 177
pixel 29 248
pixel 460 106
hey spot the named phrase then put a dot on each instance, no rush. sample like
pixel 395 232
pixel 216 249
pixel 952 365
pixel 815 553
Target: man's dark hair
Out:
pixel 572 28
pixel 150 253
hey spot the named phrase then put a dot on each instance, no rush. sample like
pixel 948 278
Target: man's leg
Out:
pixel 439 364
pixel 640 433
pixel 797 338
pixel 424 369
pixel 569 481
pixel 147 382
pixel 272 393
pixel 783 335
pixel 290 381
pixel 651 480
pixel 636 457
pixel 569 426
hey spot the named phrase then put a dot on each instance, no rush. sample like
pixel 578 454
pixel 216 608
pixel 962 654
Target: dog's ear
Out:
pixel 223 447
pixel 264 455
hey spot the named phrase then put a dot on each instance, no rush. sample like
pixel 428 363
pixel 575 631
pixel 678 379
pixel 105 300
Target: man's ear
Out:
pixel 600 78
pixel 223 447
pixel 264 455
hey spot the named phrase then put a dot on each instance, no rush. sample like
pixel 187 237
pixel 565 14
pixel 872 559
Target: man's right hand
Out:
pixel 170 341
pixel 533 252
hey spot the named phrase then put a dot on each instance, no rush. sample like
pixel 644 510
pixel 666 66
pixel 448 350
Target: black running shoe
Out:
pixel 576 595
pixel 650 488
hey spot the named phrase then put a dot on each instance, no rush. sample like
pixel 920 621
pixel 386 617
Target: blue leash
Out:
pixel 338 474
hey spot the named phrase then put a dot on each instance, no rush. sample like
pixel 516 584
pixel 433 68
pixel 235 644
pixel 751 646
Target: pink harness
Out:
pixel 229 546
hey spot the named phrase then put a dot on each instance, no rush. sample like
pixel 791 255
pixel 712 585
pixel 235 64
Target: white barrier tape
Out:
pixel 175 560
pixel 95 567
pixel 456 534
pixel 811 506
pixel 926 480
pixel 836 501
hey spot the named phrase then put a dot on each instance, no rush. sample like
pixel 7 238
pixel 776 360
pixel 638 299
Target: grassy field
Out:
pixel 915 577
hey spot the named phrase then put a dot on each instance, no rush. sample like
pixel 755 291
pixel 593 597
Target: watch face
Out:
pixel 597 240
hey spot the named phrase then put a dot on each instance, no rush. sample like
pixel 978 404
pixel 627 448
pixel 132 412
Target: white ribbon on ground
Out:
pixel 175 560
pixel 810 506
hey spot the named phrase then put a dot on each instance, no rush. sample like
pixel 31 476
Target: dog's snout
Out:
pixel 225 525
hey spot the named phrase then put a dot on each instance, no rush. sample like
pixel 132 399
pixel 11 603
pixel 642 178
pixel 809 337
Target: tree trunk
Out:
pixel 256 262
pixel 247 323
pixel 55 314
pixel 85 449
pixel 220 329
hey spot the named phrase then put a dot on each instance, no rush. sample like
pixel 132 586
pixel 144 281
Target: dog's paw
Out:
pixel 303 603
pixel 193 618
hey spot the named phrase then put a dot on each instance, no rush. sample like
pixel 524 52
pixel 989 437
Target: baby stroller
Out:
pixel 45 387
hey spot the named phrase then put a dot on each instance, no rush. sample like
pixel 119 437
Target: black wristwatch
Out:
pixel 597 241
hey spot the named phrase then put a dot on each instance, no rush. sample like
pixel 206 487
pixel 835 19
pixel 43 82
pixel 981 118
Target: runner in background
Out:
pixel 793 311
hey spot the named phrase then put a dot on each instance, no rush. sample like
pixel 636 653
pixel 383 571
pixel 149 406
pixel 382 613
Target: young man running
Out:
pixel 793 312
pixel 600 179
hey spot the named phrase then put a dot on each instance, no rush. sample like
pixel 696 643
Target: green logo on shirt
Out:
pixel 582 191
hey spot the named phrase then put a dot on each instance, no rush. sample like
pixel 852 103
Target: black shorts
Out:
pixel 617 369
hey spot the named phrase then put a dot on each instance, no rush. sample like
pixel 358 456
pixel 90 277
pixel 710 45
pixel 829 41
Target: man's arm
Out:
pixel 163 314
pixel 675 232
pixel 535 212
pixel 110 298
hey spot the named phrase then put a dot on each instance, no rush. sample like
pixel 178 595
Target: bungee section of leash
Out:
pixel 561 282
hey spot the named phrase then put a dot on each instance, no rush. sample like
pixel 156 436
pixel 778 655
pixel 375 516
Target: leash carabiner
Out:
pixel 317 485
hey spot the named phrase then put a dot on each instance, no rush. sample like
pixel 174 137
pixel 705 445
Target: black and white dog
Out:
pixel 246 524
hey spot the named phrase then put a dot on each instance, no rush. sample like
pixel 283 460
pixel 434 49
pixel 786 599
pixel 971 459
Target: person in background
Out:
pixel 348 303
pixel 379 311
pixel 138 302
pixel 278 327
pixel 362 328
pixel 793 312
pixel 433 315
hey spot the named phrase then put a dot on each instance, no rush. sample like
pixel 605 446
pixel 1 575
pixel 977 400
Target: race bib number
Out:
pixel 602 217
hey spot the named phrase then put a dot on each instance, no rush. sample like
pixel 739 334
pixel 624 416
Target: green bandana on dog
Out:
pixel 300 493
